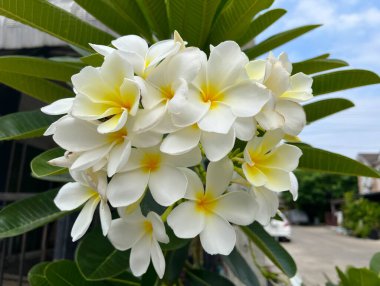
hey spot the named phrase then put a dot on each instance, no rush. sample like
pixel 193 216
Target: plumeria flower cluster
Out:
pixel 203 135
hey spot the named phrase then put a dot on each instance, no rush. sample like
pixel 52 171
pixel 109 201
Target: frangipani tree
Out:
pixel 146 135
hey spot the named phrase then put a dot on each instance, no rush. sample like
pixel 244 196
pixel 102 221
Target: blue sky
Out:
pixel 351 32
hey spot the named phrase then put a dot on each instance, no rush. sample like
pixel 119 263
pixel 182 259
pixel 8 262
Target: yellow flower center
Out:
pixel 151 162
pixel 148 227
pixel 167 92
pixel 205 203
pixel 118 136
pixel 212 95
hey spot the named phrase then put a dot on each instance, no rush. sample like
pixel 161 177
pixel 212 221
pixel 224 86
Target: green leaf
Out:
pixel 260 24
pixel 271 248
pixel 22 125
pixel 192 19
pixel 36 275
pixel 239 266
pixel 44 16
pixel 235 18
pixel 94 60
pixel 344 79
pixel 38 67
pixel 155 13
pixel 320 109
pixel 27 214
pixel 317 65
pixel 175 261
pixel 374 265
pixel 278 40
pixel 97 259
pixel 343 278
pixel 324 161
pixel 199 277
pixel 124 17
pixel 174 241
pixel 40 166
pixel 362 277
pixel 39 88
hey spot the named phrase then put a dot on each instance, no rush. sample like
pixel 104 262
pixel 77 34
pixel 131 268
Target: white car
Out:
pixel 279 229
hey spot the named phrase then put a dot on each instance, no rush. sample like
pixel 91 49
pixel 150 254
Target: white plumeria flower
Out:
pixel 215 145
pixel 162 86
pixel 221 92
pixel 142 235
pixel 267 204
pixel 109 150
pixel 209 212
pixel 150 167
pixel 143 58
pixel 90 190
pixel 269 163
pixel 283 110
pixel 108 93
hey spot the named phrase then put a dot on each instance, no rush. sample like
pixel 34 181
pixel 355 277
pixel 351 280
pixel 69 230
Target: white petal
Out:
pixel 293 186
pixel 277 180
pixel 160 50
pixel 269 118
pixel 226 64
pixel 216 145
pixel 218 236
pixel 84 219
pixel 130 95
pixel 105 216
pixel 236 207
pixel 101 49
pixel 188 159
pixel 254 175
pixel 72 195
pixel 90 158
pixel 267 204
pixel 284 157
pixel 181 141
pixel 300 88
pixel 118 157
pixel 219 175
pixel 76 135
pixel 283 58
pixel 115 69
pixel 246 98
pixel 126 188
pixel 131 43
pixel 167 185
pixel 271 140
pixel 157 258
pixel 294 116
pixel 218 119
pixel 61 106
pixel 158 227
pixel 279 79
pixel 140 256
pixel 134 161
pixel 186 221
pixel 194 184
pixel 124 235
pixel 146 139
pixel 148 118
pixel 257 69
pixel 113 124
pixel 245 128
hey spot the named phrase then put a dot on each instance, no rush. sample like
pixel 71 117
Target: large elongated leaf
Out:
pixel 97 259
pixel 317 65
pixel 320 109
pixel 36 275
pixel 175 261
pixel 235 18
pixel 28 214
pixel 278 40
pixel 240 268
pixel 155 13
pixel 39 88
pixel 192 19
pixel 124 17
pixel 42 15
pixel 199 277
pixel 260 24
pixel 324 161
pixel 271 248
pixel 38 67
pixel 23 125
pixel 344 79
pixel 40 166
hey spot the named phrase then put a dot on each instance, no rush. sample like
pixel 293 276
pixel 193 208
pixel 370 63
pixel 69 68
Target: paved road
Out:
pixel 317 250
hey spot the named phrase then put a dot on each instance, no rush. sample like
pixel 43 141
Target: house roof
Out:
pixel 370 159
